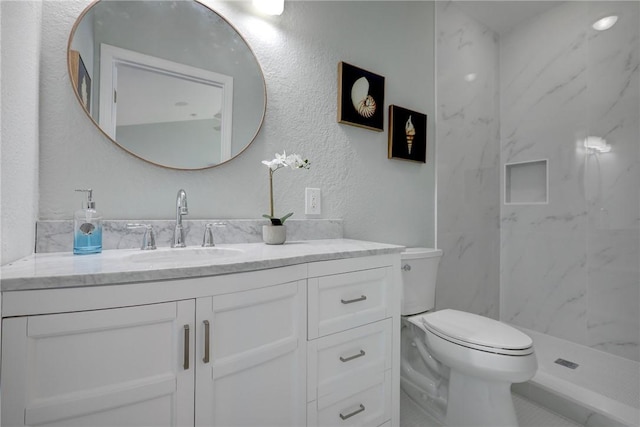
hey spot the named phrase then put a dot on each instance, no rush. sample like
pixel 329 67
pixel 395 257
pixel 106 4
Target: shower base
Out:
pixel 602 390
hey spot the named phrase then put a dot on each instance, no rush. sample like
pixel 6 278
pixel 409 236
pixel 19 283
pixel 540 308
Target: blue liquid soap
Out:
pixel 87 228
pixel 87 243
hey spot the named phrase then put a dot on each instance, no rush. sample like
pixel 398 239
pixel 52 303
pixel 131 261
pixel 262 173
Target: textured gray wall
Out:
pixel 379 199
pixel 21 22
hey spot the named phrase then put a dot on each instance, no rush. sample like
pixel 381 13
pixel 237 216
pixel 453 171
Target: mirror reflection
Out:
pixel 171 82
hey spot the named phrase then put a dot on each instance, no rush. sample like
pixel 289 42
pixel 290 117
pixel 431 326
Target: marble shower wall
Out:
pixel 570 268
pixel 468 158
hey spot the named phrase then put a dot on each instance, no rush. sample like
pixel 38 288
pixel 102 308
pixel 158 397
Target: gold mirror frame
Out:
pixel 75 63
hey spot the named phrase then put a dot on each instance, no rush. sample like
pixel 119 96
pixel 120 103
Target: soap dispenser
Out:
pixel 87 227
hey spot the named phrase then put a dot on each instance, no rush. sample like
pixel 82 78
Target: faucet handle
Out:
pixel 149 238
pixel 207 239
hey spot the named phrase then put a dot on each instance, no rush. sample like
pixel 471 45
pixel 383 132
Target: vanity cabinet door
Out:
pixel 254 373
pixel 114 367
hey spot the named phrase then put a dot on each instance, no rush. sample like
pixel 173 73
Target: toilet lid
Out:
pixel 478 332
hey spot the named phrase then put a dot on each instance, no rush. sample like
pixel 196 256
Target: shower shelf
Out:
pixel 526 183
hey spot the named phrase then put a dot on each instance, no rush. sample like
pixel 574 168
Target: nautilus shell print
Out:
pixel 364 103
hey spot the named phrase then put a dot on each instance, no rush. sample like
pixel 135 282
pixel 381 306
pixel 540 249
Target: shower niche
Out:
pixel 526 183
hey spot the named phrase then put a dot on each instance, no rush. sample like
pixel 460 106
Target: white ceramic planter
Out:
pixel 274 234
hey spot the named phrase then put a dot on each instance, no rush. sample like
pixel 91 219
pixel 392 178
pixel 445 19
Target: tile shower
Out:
pixel 568 267
pixel 537 230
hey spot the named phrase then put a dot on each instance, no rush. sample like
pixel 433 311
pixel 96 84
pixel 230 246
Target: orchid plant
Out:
pixel 293 161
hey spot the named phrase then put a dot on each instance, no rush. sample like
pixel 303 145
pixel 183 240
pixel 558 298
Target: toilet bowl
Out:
pixel 458 366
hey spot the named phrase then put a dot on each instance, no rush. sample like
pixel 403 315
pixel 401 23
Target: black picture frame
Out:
pixel 407 134
pixel 360 97
pixel 81 79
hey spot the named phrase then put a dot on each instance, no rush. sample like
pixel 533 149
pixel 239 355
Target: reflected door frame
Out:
pixel 112 56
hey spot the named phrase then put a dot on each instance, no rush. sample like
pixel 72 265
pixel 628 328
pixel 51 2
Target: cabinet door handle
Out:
pixel 355 356
pixel 356 412
pixel 185 363
pixel 205 359
pixel 349 301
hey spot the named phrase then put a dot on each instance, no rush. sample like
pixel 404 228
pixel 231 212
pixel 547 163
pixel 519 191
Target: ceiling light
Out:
pixel 595 144
pixel 605 23
pixel 471 77
pixel 270 7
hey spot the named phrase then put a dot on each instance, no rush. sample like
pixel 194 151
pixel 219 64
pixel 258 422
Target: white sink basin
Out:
pixel 184 256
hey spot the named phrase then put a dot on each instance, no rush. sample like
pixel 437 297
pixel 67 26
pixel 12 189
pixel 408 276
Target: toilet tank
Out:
pixel 419 272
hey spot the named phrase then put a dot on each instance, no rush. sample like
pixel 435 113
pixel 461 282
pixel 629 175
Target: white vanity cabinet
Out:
pixel 352 323
pixel 238 358
pixel 99 368
pixel 254 371
pixel 313 343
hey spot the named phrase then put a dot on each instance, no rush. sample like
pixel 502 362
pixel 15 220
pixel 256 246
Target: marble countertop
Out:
pixel 63 269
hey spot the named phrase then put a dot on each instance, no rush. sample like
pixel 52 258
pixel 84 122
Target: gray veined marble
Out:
pixel 571 267
pixel 57 236
pixel 55 270
pixel 468 163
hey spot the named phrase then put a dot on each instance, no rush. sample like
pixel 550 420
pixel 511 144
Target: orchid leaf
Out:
pixel 277 221
pixel 284 218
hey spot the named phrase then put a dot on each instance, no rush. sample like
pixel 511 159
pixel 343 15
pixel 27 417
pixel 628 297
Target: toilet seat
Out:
pixel 475 332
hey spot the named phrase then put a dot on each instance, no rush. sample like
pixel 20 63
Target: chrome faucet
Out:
pixel 181 209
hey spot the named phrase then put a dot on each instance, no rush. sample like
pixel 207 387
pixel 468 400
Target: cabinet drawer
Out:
pixel 344 301
pixel 341 358
pixel 370 405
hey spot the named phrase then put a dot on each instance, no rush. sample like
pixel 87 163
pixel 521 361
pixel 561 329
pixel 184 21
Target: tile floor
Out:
pixel 529 415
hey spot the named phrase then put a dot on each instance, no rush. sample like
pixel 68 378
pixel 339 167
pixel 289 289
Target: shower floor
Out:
pixel 529 415
pixel 602 390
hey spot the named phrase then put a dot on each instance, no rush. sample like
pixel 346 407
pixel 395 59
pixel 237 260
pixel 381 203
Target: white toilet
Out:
pixel 457 366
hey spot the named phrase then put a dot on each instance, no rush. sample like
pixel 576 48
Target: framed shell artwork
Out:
pixel 360 97
pixel 407 134
pixel 81 79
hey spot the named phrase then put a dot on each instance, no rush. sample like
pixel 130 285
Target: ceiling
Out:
pixel 503 16
pixel 147 96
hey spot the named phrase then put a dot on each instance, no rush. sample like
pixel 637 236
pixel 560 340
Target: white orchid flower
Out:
pixel 295 161
pixel 272 164
pixel 292 160
pixel 269 163
pixel 279 162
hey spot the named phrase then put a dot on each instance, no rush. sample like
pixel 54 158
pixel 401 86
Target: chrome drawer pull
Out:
pixel 205 359
pixel 349 301
pixel 355 356
pixel 356 412
pixel 185 364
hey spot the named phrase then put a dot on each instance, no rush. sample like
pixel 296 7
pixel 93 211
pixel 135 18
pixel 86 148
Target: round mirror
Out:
pixel 171 82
